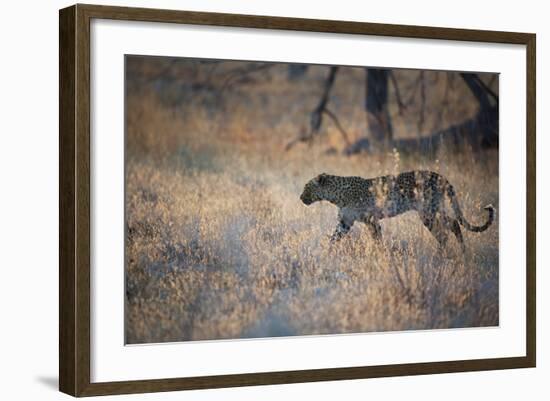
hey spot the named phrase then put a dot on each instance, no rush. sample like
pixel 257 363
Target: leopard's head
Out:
pixel 319 188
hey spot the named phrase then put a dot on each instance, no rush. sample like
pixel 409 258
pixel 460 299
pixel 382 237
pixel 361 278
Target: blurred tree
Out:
pixel 481 131
pixel 376 107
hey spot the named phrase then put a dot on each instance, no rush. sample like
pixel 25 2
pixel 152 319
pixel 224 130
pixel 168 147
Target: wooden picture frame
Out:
pixel 74 200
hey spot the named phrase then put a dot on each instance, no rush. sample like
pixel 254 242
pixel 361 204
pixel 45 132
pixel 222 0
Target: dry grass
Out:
pixel 220 246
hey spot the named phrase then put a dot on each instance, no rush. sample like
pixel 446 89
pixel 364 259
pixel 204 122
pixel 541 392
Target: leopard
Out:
pixel 369 200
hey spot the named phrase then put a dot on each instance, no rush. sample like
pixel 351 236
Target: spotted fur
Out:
pixel 370 200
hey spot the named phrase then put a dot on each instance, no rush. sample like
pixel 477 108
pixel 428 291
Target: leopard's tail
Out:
pixel 460 217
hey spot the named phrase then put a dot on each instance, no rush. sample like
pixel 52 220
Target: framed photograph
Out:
pixel 250 200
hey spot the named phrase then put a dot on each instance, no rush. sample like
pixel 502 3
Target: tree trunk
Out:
pixel 376 107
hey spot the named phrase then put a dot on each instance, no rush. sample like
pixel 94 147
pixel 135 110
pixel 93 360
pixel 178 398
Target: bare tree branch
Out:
pixel 476 87
pixel 487 88
pixel 339 126
pixel 401 106
pixel 412 95
pixel 316 116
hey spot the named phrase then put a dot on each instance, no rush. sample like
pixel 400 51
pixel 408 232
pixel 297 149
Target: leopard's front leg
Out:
pixel 373 224
pixel 343 227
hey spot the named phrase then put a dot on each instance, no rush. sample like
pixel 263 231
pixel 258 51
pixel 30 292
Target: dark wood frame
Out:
pixel 74 199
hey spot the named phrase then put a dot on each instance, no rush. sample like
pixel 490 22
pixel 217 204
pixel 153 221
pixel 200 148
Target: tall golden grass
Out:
pixel 219 246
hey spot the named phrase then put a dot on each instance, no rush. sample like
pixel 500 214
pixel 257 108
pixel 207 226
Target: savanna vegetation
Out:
pixel 218 243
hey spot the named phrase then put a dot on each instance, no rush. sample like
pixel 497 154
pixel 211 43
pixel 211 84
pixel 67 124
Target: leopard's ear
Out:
pixel 322 179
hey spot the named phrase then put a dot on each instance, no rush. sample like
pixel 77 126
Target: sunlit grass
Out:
pixel 234 253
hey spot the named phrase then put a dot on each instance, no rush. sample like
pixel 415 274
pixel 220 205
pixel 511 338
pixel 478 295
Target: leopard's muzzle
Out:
pixel 306 199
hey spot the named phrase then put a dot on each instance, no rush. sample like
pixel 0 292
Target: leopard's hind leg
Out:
pixel 454 226
pixel 437 227
pixel 430 212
